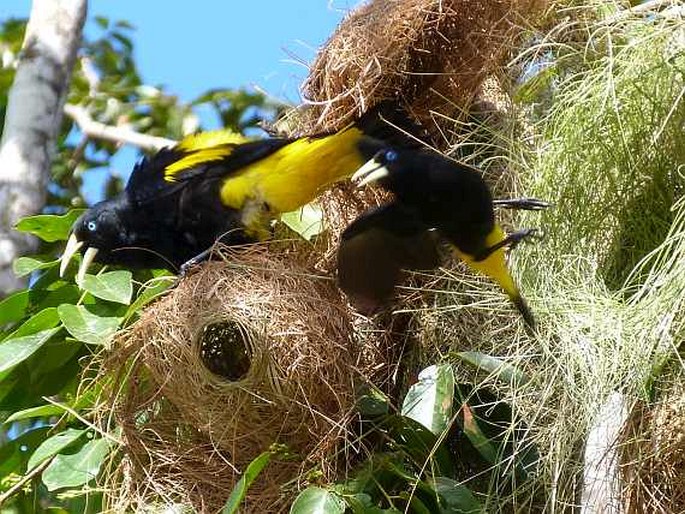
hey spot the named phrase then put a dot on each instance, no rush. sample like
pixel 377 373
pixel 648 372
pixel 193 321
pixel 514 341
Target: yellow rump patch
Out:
pixel 495 265
pixel 296 173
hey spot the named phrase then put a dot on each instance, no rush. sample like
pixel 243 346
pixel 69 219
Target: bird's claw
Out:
pixel 525 204
pixel 510 242
pixel 198 259
pixel 515 238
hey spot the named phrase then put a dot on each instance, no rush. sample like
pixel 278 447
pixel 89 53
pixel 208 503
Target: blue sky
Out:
pixel 191 47
pixel 195 46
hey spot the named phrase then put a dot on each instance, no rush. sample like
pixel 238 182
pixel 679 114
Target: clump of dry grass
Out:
pixel 188 433
pixel 603 142
pixel 653 456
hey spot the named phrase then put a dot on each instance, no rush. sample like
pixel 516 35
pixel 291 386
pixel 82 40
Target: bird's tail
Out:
pixel 391 123
pixel 495 267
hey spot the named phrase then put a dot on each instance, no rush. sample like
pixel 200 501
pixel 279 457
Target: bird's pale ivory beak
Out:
pixel 370 172
pixel 88 258
pixel 73 246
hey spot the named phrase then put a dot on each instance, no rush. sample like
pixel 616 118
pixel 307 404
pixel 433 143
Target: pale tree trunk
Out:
pixel 32 122
pixel 601 481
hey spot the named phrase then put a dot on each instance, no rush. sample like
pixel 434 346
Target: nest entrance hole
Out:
pixel 225 349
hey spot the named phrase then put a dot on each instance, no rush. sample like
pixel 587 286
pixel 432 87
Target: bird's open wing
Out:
pixel 375 249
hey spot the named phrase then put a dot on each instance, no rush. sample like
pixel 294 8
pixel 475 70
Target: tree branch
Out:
pixel 24 480
pixel 32 121
pixel 95 129
pixel 601 492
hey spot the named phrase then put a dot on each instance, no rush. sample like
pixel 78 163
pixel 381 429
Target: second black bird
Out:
pixel 435 198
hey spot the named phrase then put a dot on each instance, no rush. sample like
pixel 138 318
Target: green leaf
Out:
pixel 359 503
pixel 85 326
pixel 14 454
pixel 42 411
pixel 102 21
pixel 419 443
pixel 17 349
pixel 431 399
pixel 113 286
pixel 315 500
pixel 238 494
pixel 416 504
pixel 306 221
pixel 534 86
pixel 58 294
pixel 372 402
pixel 148 292
pixel 26 265
pixel 477 437
pixel 77 469
pixel 49 227
pixel 47 318
pixel 123 24
pixel 502 370
pixel 53 445
pixel 496 434
pixel 455 498
pixel 13 308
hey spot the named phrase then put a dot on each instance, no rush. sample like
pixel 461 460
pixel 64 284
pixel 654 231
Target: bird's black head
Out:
pixel 103 228
pixel 112 232
pixel 423 177
pixel 385 167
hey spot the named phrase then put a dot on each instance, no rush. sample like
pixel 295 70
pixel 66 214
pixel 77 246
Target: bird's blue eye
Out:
pixel 91 226
pixel 390 156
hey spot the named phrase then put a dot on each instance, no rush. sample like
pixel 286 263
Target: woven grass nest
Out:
pixel 652 450
pixel 440 59
pixel 240 355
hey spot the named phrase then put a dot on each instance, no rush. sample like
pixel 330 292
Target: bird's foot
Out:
pixel 516 237
pixel 511 241
pixel 198 259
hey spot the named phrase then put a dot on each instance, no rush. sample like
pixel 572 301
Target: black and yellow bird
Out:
pixel 220 185
pixel 435 198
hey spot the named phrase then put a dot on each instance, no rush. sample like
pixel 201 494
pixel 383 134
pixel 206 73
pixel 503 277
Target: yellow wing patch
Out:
pixel 211 138
pixel 193 159
pixel 202 148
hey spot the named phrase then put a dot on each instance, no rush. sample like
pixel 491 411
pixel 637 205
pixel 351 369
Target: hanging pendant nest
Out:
pixel 432 56
pixel 441 60
pixel 241 355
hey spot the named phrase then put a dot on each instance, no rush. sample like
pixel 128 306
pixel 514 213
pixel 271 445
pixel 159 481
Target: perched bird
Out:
pixel 219 185
pixel 435 198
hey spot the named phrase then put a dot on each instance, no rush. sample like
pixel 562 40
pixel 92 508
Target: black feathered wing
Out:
pixel 375 249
